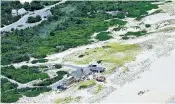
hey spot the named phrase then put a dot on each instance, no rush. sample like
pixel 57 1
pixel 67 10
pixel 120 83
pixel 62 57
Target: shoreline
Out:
pixel 151 82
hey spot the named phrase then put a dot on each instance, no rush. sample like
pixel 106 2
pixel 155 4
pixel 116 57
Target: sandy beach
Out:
pixel 157 83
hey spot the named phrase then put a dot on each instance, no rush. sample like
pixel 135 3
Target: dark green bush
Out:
pixel 103 36
pixel 147 25
pixel 121 15
pixel 39 61
pixel 33 92
pixel 58 66
pixel 7 85
pixel 10 96
pixel 139 33
pixel 125 38
pixel 34 19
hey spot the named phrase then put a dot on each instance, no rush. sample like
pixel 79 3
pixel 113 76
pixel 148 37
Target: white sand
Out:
pixel 159 81
pixel 152 19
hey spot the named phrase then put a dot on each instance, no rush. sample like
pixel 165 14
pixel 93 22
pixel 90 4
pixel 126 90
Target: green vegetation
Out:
pixel 7 6
pixel 125 38
pixel 121 15
pixel 6 85
pixel 110 52
pixel 86 84
pixel 6 16
pixel 113 55
pixel 38 47
pixel 157 11
pixel 117 28
pixel 147 25
pixel 58 66
pixel 34 19
pixel 10 93
pixel 39 61
pixel 32 92
pixel 137 34
pixel 67 100
pixel 12 96
pixel 103 36
pixel 99 88
pixel 36 5
pixel 75 24
pixel 60 75
pixel 23 75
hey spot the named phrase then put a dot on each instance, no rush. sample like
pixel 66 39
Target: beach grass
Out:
pixel 86 84
pixel 67 100
pixel 99 88
pixel 107 53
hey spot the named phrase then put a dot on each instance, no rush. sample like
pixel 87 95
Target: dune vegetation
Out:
pixel 23 74
pixel 10 93
pixel 76 25
pixel 86 84
pixel 111 52
pixel 115 54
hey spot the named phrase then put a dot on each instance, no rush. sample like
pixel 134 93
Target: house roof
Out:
pixel 77 74
pixel 21 11
pixel 81 72
pixel 14 12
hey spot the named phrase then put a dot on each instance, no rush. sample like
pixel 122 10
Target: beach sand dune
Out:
pixel 157 84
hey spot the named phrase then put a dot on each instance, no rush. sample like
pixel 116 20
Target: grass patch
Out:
pixel 39 61
pixel 67 100
pixel 99 88
pixel 106 53
pixel 114 54
pixel 137 34
pixel 23 74
pixel 103 36
pixel 86 84
pixel 110 70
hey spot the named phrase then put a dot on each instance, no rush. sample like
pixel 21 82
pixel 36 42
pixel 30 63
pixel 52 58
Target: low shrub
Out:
pixel 58 66
pixel 125 38
pixel 139 33
pixel 103 36
pixel 86 84
pixel 147 25
pixel 32 92
pixel 34 19
pixel 39 61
